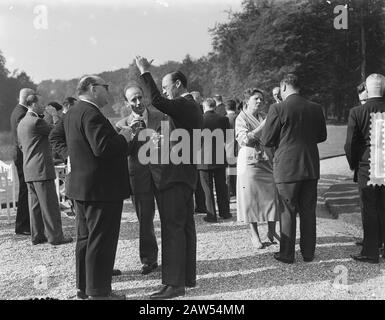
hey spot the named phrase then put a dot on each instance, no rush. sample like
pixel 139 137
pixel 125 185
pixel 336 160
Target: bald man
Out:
pixel 22 225
pixel 98 184
pixel 357 148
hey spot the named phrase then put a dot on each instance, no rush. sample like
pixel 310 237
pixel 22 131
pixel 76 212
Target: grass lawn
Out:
pixel 334 145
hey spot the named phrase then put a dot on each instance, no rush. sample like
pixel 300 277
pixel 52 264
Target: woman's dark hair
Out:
pixel 251 92
pixel 56 105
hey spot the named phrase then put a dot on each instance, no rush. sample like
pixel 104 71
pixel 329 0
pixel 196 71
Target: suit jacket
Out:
pixel 295 127
pixel 37 153
pixel 98 156
pixel 183 113
pixel 17 114
pixel 212 121
pixel 141 175
pixel 357 146
pixel 57 140
pixel 221 109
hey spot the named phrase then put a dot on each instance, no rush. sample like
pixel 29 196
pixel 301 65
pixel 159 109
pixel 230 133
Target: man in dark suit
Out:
pixel 294 127
pixel 176 186
pixel 231 150
pixel 143 177
pixel 39 173
pixel 357 148
pixel 214 170
pixel 199 195
pixel 220 106
pixel 22 225
pixel 98 184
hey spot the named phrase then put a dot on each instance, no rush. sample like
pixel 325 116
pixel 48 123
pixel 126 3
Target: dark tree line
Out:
pixel 10 85
pixel 268 38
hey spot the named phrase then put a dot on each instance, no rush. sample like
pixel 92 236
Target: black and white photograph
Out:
pixel 206 153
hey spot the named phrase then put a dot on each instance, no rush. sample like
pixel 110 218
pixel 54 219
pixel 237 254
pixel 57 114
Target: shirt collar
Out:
pixel 85 100
pixel 230 112
pixel 23 106
pixel 185 94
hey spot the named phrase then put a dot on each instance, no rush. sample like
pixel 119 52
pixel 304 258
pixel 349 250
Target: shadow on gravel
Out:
pixel 261 271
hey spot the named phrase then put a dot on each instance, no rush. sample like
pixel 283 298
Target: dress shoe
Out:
pixel 200 211
pixel 116 272
pixel 23 233
pixel 81 295
pixel 62 241
pixel 361 258
pixel 168 292
pixel 112 296
pixel 148 268
pixel 308 259
pixel 227 216
pixel 39 241
pixel 278 257
pixel 210 219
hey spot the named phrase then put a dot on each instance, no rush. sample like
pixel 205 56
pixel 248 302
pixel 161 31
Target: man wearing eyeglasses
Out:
pixel 98 184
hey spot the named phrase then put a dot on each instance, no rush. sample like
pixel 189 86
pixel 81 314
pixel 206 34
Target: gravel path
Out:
pixel 228 267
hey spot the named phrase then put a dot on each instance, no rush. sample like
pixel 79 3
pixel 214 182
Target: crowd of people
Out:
pixel 272 170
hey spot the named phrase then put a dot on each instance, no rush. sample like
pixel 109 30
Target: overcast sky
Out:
pixel 90 36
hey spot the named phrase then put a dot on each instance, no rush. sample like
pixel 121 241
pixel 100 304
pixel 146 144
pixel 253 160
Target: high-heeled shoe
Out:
pixel 257 244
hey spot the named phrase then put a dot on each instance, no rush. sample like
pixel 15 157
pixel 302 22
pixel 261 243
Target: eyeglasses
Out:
pixel 102 85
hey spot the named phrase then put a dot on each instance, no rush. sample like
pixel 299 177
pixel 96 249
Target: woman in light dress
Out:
pixel 257 198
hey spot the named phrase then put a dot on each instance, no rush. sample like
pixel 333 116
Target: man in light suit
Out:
pixel 177 184
pixel 22 225
pixel 39 173
pixel 143 177
pixel 357 148
pixel 294 127
pixel 98 184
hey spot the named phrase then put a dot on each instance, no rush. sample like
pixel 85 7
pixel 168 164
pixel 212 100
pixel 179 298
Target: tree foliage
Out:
pixel 10 86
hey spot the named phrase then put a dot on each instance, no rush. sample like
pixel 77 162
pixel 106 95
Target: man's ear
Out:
pixel 177 84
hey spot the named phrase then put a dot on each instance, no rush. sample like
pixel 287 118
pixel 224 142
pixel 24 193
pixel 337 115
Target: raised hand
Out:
pixel 143 64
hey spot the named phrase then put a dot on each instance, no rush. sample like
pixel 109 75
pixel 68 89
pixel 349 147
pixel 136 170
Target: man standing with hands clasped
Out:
pixel 177 184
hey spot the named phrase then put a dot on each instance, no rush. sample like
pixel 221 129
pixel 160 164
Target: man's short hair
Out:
pixel 24 93
pixel 231 105
pixel 129 85
pixel 84 83
pixel 375 81
pixel 69 101
pixel 210 102
pixel 251 92
pixel 31 99
pixel 178 75
pixel 218 97
pixel 56 105
pixel 291 80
